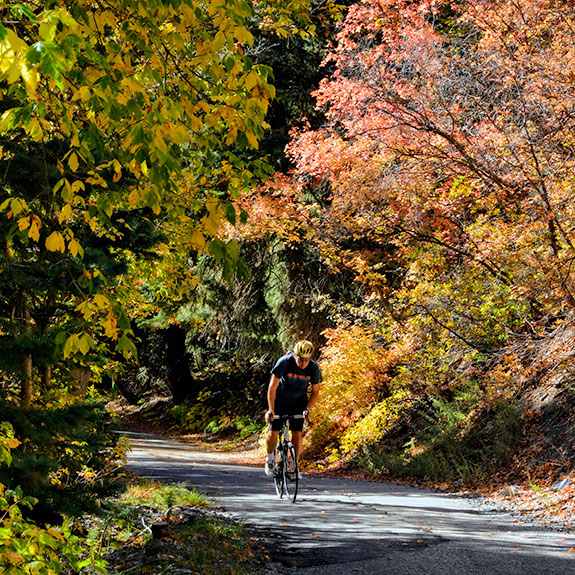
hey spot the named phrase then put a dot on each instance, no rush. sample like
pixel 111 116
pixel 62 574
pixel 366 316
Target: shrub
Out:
pixel 67 458
pixel 26 548
pixel 356 365
pixel 451 443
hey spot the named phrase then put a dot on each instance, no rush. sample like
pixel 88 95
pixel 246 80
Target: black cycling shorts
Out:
pixel 291 408
pixel 295 423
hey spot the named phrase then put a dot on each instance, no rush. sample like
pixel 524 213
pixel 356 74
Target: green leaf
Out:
pixel 127 347
pixel 10 119
pixel 124 321
pixel 217 249
pixel 35 52
pixel 21 10
pixel 46 539
pixel 231 214
pixel 37 567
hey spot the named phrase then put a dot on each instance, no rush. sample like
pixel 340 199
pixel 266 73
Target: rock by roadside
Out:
pixel 553 506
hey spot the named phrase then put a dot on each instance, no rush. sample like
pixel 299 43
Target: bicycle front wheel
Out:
pixel 290 473
pixel 279 474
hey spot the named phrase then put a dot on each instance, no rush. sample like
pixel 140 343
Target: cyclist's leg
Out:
pixel 271 440
pixel 296 439
pixel 296 425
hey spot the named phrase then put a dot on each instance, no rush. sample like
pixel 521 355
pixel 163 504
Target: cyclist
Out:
pixel 291 378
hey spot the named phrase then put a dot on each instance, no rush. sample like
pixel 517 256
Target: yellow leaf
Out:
pixel 198 240
pixel 17 206
pixel 65 213
pixel 73 161
pixel 251 81
pixel 251 139
pixel 71 345
pixel 34 128
pixel 211 223
pixel 110 325
pixel 77 185
pixel 212 205
pixel 34 232
pixel 134 197
pixel 13 74
pixel 243 35
pixel 101 300
pixel 219 40
pixel 47 30
pixel 55 242
pixel 75 248
pixel 84 343
pixel 30 78
pixel 23 223
pixel 82 94
pixel 232 135
pixel 85 308
pixel 106 17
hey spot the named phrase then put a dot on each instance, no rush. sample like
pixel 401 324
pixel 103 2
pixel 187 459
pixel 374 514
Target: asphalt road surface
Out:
pixel 341 526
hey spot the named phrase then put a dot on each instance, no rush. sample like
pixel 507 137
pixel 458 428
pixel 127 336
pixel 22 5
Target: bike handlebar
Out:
pixel 284 416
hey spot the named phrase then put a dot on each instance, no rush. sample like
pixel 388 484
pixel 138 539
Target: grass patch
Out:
pixel 162 495
pixel 202 544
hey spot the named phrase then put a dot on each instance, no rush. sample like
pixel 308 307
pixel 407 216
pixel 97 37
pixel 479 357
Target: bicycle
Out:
pixel 286 476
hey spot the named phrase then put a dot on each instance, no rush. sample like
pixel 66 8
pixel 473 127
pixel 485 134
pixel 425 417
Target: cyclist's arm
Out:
pixel 272 388
pixel 313 396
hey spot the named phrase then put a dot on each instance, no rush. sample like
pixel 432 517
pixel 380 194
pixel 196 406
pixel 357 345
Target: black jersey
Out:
pixel 294 381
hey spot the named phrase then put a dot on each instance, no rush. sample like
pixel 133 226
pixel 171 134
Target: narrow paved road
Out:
pixel 341 526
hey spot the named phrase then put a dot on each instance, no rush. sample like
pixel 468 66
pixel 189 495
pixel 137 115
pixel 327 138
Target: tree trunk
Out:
pixel 180 379
pixel 27 382
pixel 82 375
pixel 46 373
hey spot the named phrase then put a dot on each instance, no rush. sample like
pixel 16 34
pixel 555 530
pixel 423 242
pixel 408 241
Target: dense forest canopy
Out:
pixel 127 131
pixel 437 197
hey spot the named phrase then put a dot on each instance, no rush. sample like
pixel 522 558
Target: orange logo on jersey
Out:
pixel 298 376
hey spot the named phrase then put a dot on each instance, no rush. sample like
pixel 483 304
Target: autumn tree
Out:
pixel 270 289
pixel 441 183
pixel 462 140
pixel 133 106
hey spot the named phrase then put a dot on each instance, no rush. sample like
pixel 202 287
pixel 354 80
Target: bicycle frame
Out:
pixel 286 476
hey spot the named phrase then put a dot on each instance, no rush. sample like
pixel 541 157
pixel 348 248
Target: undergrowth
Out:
pixel 192 538
pixel 440 448
pixel 434 411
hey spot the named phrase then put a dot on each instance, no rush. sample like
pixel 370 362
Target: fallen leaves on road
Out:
pixel 545 505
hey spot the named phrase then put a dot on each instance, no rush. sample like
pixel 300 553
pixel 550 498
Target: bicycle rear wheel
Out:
pixel 279 474
pixel 290 473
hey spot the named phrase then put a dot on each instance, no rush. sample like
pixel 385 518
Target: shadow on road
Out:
pixel 361 526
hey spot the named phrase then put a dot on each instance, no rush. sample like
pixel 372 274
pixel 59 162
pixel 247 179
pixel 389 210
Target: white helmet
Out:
pixel 303 349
